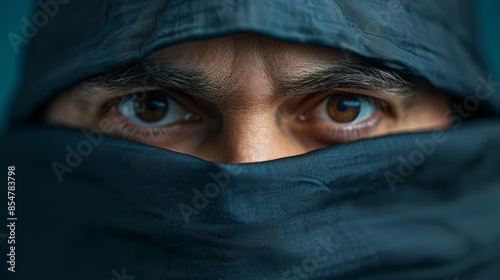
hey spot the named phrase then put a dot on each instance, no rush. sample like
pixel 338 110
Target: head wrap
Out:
pixel 433 41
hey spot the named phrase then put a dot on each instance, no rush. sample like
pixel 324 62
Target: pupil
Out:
pixel 152 108
pixel 155 104
pixel 341 106
pixel 343 110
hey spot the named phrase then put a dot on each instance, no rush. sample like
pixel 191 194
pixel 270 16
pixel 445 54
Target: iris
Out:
pixel 349 109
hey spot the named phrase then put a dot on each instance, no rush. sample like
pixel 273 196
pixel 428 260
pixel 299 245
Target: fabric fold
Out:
pixel 328 214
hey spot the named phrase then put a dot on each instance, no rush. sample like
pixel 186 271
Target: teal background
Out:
pixel 11 13
pixel 489 19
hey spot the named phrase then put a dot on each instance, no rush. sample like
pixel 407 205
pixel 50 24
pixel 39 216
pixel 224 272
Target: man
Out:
pixel 246 97
pixel 367 132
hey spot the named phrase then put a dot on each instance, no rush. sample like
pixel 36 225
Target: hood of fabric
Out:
pixel 436 41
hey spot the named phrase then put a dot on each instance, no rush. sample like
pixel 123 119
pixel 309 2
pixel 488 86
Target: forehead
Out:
pixel 239 51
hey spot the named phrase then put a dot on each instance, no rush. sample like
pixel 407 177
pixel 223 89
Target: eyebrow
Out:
pixel 148 74
pixel 358 73
pixel 366 75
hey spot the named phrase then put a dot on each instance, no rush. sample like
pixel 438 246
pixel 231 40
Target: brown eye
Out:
pixel 152 109
pixel 343 109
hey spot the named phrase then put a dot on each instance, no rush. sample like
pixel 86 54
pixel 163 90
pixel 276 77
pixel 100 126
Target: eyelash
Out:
pixel 349 133
pixel 125 129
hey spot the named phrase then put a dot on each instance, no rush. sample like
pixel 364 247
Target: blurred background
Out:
pixel 12 12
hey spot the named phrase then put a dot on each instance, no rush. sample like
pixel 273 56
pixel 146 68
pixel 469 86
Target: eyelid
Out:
pixel 338 134
pixel 151 135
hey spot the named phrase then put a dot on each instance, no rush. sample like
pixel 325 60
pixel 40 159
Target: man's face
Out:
pixel 247 98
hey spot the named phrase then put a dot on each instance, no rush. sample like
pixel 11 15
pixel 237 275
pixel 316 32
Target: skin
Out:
pixel 249 118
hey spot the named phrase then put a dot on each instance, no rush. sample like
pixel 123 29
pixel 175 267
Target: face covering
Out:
pixel 408 206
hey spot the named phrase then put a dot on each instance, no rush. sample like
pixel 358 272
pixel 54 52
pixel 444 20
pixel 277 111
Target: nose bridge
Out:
pixel 251 136
pixel 248 136
pixel 249 129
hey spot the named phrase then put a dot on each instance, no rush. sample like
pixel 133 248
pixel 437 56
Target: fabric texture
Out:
pixel 328 214
pixel 408 206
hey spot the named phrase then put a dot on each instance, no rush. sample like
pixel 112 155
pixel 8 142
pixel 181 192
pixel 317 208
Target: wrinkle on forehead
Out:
pixel 245 70
pixel 233 60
